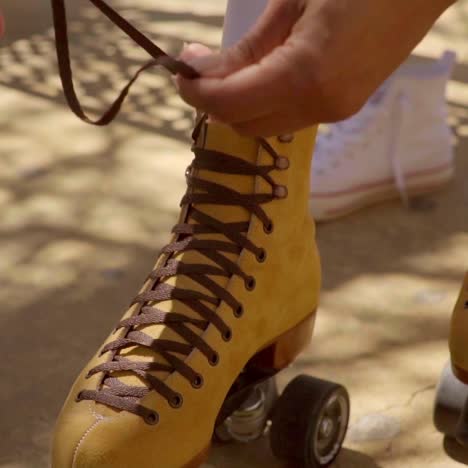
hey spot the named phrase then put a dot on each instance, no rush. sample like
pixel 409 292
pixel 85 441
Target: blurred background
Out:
pixel 83 212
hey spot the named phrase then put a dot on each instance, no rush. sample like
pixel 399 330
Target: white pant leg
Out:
pixel 241 15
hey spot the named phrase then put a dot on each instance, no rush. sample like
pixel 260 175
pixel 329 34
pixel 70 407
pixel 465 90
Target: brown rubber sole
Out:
pixel 283 350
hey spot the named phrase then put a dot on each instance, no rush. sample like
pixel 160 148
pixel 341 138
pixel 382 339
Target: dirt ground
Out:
pixel 83 212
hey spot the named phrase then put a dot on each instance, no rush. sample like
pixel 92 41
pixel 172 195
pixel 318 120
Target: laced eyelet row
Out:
pixel 279 191
pixel 176 401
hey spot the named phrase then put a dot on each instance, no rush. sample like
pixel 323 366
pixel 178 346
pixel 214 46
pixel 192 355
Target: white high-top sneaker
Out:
pixel 398 145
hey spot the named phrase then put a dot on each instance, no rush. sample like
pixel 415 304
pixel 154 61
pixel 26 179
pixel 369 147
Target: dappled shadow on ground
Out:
pixel 258 455
pixel 80 228
pixel 104 59
pixel 83 212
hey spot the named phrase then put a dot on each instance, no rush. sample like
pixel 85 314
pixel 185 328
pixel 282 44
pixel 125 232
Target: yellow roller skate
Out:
pixel 231 301
pixel 451 406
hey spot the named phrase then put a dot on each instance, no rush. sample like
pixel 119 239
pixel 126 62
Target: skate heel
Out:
pixel 285 349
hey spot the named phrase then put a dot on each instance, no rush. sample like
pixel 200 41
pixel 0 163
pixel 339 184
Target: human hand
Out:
pixel 306 61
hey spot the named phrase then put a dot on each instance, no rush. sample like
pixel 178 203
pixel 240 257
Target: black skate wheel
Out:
pixel 309 422
pixel 451 396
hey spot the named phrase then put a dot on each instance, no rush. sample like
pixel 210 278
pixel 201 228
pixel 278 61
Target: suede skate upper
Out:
pixel 179 300
pixel 92 435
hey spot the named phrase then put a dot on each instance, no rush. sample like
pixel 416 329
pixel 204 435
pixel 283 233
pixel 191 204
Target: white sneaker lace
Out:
pixel 343 137
pixel 398 117
pixel 340 139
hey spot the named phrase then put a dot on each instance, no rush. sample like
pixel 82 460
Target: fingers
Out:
pixel 252 92
pixel 270 31
pixel 274 120
pixel 199 51
pixel 248 80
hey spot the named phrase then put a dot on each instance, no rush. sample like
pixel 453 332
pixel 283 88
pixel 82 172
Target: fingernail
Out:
pixel 203 63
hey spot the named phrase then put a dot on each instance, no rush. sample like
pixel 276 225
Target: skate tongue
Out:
pixel 224 140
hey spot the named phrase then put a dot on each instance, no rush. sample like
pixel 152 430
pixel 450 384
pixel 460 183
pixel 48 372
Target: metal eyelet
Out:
pixel 282 163
pixel 239 312
pixel 268 228
pixel 227 335
pixel 280 191
pixel 197 382
pixel 214 359
pixel 176 401
pixel 288 138
pixel 250 283
pixel 261 256
pixel 151 418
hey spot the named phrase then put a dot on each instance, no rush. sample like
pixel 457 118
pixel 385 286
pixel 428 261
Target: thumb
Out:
pixel 194 51
pixel 270 31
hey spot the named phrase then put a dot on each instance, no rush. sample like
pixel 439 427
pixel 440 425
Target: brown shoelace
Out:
pixel 160 58
pixel 190 236
pixel 114 392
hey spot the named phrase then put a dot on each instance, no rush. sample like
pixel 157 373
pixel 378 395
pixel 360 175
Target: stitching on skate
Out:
pixel 94 413
pixel 83 437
